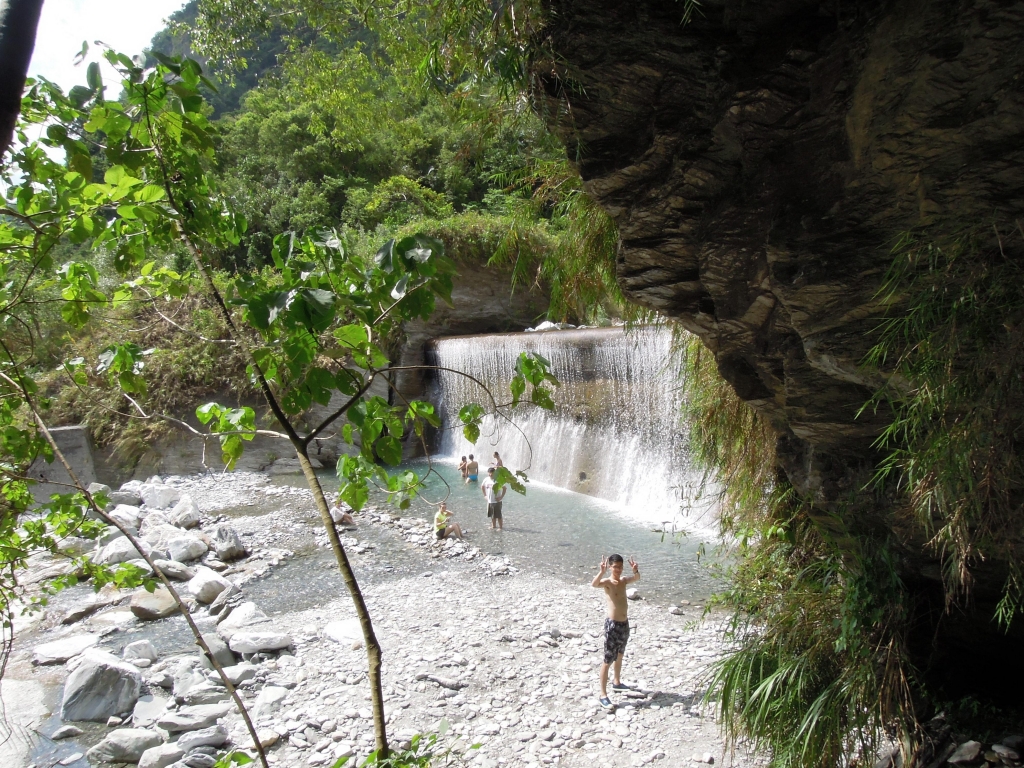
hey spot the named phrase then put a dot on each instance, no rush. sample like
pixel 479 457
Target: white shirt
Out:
pixel 488 488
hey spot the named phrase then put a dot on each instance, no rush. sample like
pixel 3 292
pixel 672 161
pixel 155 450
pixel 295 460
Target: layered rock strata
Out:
pixel 761 161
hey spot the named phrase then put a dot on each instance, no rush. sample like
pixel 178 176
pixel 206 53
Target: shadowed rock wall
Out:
pixel 761 161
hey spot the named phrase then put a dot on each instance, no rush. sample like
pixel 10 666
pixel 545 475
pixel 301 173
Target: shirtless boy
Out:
pixel 616 626
pixel 472 469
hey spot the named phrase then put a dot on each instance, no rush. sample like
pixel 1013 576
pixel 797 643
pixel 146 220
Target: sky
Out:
pixel 125 25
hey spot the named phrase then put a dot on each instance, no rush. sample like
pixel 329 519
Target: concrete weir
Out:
pixel 76 445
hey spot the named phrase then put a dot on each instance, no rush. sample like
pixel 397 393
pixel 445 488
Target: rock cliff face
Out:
pixel 760 162
pixel 483 301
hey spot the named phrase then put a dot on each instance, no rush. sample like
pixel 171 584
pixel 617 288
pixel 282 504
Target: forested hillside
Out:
pixel 342 135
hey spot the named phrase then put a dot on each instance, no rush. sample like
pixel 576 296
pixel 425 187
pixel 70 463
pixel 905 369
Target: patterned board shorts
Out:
pixel 616 635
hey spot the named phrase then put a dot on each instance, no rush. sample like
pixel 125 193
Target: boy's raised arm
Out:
pixel 597 579
pixel 636 572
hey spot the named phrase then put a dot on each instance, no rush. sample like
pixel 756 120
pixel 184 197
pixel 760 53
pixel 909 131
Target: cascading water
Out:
pixel 615 432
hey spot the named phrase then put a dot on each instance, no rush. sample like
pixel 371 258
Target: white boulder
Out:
pixel 126 515
pixel 148 710
pixel 207 584
pixel 244 641
pixel 152 521
pixel 120 550
pixel 174 570
pixel 140 649
pixel 161 756
pixel 186 547
pixel 159 496
pixel 239 673
pixel 242 616
pixel 61 650
pixel 345 631
pixel 185 513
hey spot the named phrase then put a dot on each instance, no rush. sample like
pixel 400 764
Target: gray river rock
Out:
pixel 101 686
pixel 228 543
pixel 124 745
pixel 150 606
pixel 192 718
pixel 214 736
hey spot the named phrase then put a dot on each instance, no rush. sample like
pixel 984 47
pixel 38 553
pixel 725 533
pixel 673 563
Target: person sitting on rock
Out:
pixel 472 469
pixel 463 467
pixel 339 515
pixel 443 525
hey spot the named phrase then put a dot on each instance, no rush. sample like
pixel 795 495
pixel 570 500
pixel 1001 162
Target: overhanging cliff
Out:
pixel 761 161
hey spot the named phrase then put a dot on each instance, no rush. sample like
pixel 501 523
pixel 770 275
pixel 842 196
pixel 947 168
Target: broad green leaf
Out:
pixel 313 308
pixel 385 256
pixel 390 450
pixel 150 194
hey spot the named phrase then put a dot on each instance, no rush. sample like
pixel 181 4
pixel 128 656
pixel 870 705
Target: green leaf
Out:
pixel 385 256
pixel 265 308
pixel 390 450
pixel 93 77
pixel 400 288
pixel 542 397
pixel 150 194
pixel 504 477
pixel 313 308
pixel 518 387
pixel 355 494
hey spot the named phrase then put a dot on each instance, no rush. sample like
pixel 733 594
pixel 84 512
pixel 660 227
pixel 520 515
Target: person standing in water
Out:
pixel 463 464
pixel 472 469
pixel 493 500
pixel 616 625
pixel 497 461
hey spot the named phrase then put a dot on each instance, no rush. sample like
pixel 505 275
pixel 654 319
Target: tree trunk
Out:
pixel 18 22
pixel 373 650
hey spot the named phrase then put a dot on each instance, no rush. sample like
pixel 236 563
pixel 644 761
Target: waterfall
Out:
pixel 615 433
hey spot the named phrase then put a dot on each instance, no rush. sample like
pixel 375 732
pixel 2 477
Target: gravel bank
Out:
pixel 507 657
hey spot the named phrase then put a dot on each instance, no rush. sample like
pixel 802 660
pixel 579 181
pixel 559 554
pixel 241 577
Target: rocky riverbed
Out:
pixel 506 657
pixel 490 651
